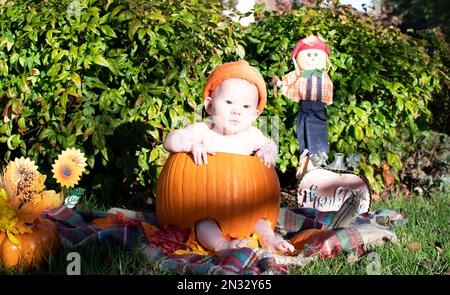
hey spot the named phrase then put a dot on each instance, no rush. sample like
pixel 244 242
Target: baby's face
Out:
pixel 233 106
pixel 311 59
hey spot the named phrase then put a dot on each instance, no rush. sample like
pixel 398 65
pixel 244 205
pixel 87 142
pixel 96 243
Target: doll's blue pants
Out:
pixel 312 132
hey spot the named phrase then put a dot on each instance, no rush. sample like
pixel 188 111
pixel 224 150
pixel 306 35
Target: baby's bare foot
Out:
pixel 277 244
pixel 226 247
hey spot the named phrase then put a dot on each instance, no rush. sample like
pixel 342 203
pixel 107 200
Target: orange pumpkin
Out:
pixel 34 249
pixel 235 190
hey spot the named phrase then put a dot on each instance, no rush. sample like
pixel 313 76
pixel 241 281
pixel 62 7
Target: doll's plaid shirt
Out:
pixel 295 87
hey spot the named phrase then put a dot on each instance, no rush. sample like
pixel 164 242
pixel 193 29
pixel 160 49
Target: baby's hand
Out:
pixel 277 244
pixel 268 154
pixel 200 151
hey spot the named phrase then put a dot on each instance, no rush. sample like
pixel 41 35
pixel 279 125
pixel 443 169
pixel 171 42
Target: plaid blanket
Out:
pixel 79 228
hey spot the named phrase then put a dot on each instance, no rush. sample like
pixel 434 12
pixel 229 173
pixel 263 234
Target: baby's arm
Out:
pixel 189 140
pixel 265 148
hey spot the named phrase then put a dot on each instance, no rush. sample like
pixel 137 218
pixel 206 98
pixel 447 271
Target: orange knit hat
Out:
pixel 238 69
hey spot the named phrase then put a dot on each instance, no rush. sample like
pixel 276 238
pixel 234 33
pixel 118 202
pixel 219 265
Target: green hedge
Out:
pixel 113 78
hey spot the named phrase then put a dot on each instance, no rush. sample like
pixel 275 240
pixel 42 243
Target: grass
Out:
pixel 423 242
pixel 422 248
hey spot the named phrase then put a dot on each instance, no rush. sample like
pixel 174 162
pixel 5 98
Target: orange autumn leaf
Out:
pixel 150 230
pixel 112 220
pixel 109 221
pixel 169 239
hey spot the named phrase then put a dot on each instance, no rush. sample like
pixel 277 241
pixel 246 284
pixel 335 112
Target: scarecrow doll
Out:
pixel 310 84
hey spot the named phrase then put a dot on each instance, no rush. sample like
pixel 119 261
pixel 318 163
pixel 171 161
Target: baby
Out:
pixel 235 95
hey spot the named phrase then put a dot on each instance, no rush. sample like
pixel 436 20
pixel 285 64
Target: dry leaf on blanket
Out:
pixel 169 239
pixel 414 246
pixel 114 220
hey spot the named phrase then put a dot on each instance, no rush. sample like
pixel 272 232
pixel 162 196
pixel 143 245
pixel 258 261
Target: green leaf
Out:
pixel 109 63
pixel 46 133
pixel 108 31
pixel 294 161
pixel 76 79
pixel 142 162
pixel 154 155
pixel 374 159
pixel 87 133
pixel 394 160
pixel 157 16
pixel 98 140
pixel 133 26
pixel 240 51
pixel 359 133
pixel 73 92
pixel 293 147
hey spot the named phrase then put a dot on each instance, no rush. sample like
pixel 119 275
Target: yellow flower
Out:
pixel 9 221
pixel 66 172
pixel 19 169
pixel 22 199
pixel 76 156
pixel 22 181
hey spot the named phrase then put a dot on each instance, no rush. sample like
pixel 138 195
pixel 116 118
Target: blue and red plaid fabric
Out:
pixel 77 230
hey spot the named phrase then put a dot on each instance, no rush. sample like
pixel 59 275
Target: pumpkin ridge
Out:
pixel 227 196
pixel 186 190
pixel 162 187
pixel 217 175
pixel 257 193
pixel 204 201
pixel 264 193
pixel 247 200
pixel 236 194
pixel 163 209
pixel 171 205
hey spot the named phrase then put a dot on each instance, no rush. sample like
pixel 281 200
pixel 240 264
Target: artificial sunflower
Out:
pixel 66 172
pixel 22 182
pixel 22 199
pixel 20 174
pixel 10 224
pixel 76 156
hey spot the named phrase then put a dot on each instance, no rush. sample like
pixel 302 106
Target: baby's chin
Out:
pixel 234 129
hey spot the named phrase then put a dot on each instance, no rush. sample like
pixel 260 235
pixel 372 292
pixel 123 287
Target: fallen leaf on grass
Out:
pixel 414 246
pixel 375 197
pixel 352 258
pixel 419 190
pixel 425 264
pixel 438 247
